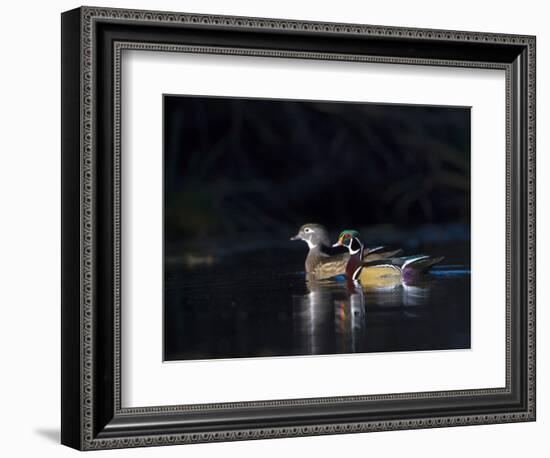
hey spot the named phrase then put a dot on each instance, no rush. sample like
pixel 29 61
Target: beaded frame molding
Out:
pixel 93 40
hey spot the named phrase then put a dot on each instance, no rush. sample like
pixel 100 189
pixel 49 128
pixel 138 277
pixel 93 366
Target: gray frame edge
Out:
pixel 71 358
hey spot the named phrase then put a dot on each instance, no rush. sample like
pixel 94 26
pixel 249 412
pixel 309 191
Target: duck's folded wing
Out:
pixel 376 249
pixel 376 262
pixel 369 256
pixel 419 263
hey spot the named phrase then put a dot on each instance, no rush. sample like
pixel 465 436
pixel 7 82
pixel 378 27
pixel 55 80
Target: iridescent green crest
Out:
pixel 349 233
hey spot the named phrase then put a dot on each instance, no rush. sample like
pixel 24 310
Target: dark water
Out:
pixel 258 303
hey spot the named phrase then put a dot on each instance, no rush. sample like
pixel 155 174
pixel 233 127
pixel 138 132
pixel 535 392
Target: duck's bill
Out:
pixel 296 237
pixel 338 243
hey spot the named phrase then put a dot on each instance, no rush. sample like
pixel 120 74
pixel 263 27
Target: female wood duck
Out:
pixel 320 263
pixel 386 273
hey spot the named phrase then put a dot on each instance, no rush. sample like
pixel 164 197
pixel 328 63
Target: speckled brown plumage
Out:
pixel 321 265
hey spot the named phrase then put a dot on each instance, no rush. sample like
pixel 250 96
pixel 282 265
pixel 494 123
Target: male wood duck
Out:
pixel 386 273
pixel 321 263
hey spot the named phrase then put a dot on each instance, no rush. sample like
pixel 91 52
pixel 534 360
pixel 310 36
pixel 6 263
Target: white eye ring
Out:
pixel 307 230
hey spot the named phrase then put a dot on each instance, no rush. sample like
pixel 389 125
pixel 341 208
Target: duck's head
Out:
pixel 350 239
pixel 313 234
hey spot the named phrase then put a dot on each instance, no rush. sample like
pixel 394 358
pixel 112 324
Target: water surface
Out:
pixel 258 303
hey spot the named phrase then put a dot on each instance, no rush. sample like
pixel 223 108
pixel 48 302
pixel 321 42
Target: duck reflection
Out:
pixel 416 294
pixel 350 320
pixel 313 315
pixel 341 312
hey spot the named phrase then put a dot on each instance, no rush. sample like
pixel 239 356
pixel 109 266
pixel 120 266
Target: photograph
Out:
pixel 314 227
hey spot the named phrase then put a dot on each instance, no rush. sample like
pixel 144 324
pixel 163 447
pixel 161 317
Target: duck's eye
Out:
pixel 307 230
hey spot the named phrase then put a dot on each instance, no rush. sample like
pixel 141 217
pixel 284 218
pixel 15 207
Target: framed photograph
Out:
pixel 278 228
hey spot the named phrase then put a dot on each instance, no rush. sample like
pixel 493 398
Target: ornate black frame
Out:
pixel 92 42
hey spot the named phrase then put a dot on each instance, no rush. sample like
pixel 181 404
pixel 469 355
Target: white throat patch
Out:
pixel 352 252
pixel 310 244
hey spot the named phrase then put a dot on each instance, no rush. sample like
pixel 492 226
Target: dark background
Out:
pixel 242 175
pixel 236 166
